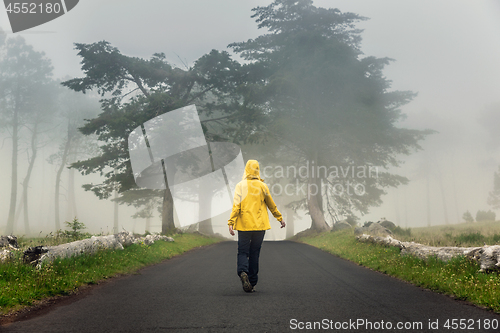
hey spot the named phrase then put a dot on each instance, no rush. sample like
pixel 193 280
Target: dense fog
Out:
pixel 445 51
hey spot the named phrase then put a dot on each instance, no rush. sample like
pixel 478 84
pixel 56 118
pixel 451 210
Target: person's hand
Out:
pixel 231 231
pixel 283 224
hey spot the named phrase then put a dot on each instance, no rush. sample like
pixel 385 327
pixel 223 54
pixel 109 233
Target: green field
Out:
pixel 459 278
pixel 21 285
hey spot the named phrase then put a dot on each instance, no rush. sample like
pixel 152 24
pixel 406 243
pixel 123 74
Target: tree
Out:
pixel 135 90
pixel 330 109
pixel 73 108
pixel 23 75
pixel 468 217
pixel 76 229
pixel 39 124
pixel 494 197
pixel 483 215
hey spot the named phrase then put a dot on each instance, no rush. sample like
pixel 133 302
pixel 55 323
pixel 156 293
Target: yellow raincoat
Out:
pixel 251 199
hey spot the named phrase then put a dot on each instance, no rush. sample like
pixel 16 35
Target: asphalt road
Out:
pixel 299 285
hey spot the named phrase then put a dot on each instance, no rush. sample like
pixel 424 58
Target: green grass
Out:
pixel 459 278
pixel 464 234
pixel 49 240
pixel 21 284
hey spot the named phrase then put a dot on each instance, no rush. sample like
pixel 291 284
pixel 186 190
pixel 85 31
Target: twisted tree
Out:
pixel 329 108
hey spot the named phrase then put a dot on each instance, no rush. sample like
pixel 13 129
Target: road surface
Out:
pixel 300 288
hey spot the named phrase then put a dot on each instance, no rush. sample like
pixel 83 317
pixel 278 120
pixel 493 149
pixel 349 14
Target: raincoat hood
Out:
pixel 252 170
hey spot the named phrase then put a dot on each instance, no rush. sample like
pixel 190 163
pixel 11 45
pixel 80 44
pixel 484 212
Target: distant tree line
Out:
pixel 481 215
pixel 35 112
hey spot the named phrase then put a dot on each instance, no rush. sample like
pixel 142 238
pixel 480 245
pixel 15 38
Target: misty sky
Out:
pixel 447 51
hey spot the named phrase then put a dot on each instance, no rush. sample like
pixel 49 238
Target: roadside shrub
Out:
pixel 76 229
pixel 483 215
pixel 468 217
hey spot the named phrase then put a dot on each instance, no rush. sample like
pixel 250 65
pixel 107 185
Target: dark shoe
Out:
pixel 253 289
pixel 246 284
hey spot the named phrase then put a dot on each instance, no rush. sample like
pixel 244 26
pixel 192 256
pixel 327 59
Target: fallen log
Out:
pixel 5 256
pixel 45 254
pixel 7 245
pixel 488 257
pixel 33 254
pixel 150 239
pixel 9 241
pixel 127 238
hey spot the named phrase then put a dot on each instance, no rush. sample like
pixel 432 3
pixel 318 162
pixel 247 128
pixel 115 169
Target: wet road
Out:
pixel 300 287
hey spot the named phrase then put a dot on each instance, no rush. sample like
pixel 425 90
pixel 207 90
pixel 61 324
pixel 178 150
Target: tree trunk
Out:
pixel 72 157
pixel 27 230
pixel 13 188
pixel 64 158
pixel 167 214
pixel 149 214
pixel 406 207
pixel 318 220
pixel 28 177
pixel 71 211
pixel 148 224
pixel 314 199
pixel 206 227
pixel 396 207
pixel 19 209
pixel 319 185
pixel 443 198
pixel 205 208
pixel 115 215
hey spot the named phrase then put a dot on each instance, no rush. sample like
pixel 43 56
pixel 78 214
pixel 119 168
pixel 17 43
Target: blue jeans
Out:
pixel 249 244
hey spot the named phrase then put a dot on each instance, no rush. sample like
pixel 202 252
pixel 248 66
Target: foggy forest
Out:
pixel 299 94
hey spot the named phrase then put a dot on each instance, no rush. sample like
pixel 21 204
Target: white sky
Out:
pixel 447 51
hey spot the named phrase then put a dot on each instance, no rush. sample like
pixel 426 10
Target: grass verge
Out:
pixel 464 234
pixel 21 285
pixel 459 278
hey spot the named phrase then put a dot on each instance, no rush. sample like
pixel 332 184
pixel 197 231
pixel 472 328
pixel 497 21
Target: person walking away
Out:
pixel 250 218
